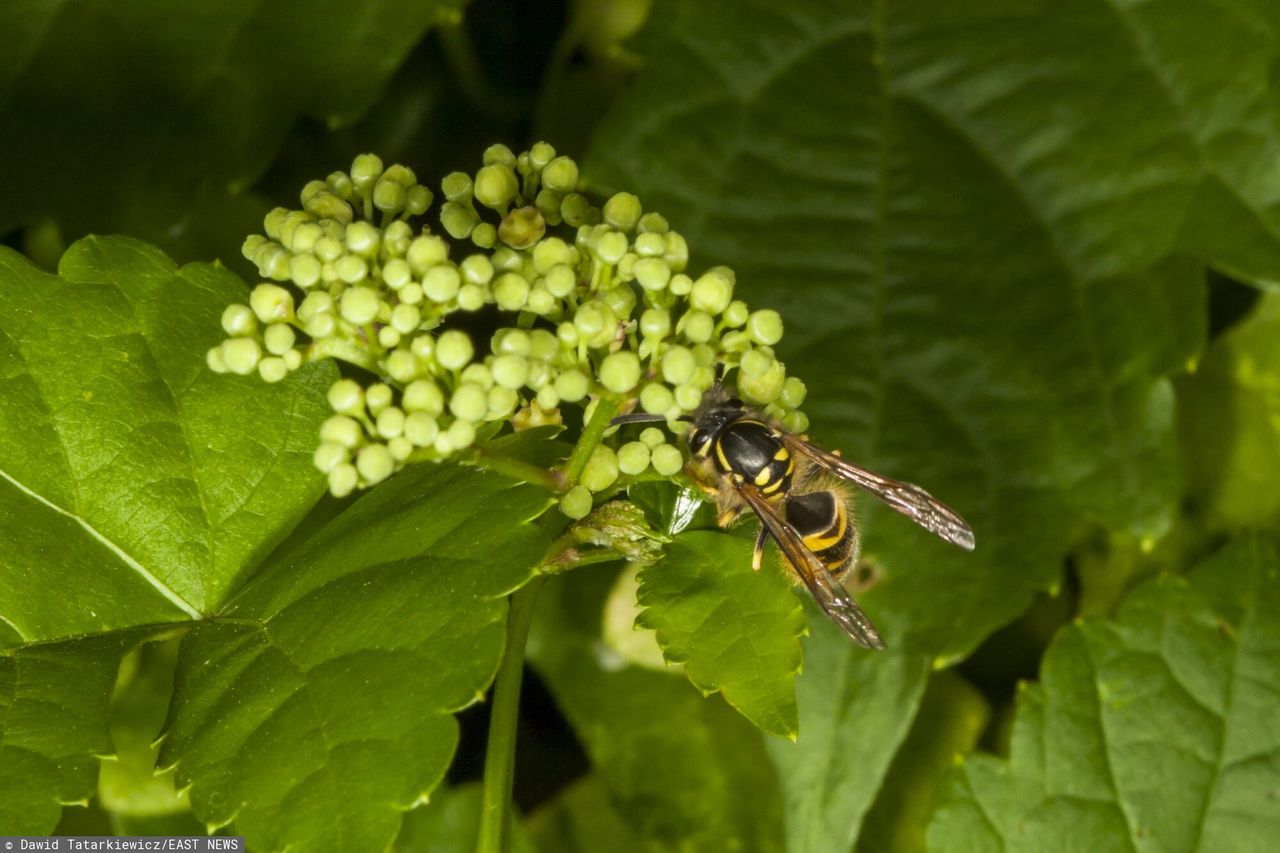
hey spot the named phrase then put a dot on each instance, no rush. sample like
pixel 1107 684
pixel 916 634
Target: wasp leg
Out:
pixel 757 556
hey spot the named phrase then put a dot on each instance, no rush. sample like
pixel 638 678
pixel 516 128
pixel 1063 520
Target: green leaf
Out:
pixel 976 256
pixel 951 716
pixel 136 486
pixel 581 819
pixel 109 141
pixel 681 770
pixel 450 822
pixel 317 707
pixel 1230 420
pixel 1154 730
pixel 735 630
pixel 54 701
pixel 856 708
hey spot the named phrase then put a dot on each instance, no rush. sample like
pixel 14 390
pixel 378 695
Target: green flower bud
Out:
pixel 346 397
pixel 572 385
pixel 472 297
pixel 611 246
pixel 796 422
pixel 576 503
pixel 541 302
pixel 510 342
pixel 238 320
pixel 402 366
pixel 765 327
pixel 374 463
pixel 329 455
pixel 622 211
pixel 417 199
pixel 655 323
pixel 713 291
pixel 411 293
pixel 454 349
pixel 271 303
pixel 550 252
pixel 736 314
pixel 377 397
pixel 755 364
pixel 522 227
pixel 601 470
pixel 469 402
pixel 697 326
pixel 548 202
pixel 594 320
pixel 305 237
pixel 496 185
pixel 396 238
pixel 315 303
pixel 560 281
pixel 653 223
pixel 351 268
pixel 575 210
pixel 342 430
pixel 389 196
pixel 678 365
pixel 401 449
pixel 652 437
pixel 405 319
pixel 363 239
pixel 620 371
pixel 423 346
pixel 304 270
pixel 738 341
pixel 568 335
pixel 251 245
pixel 390 422
pixel 365 171
pixel 272 369
pixel 423 395
pixel 279 339
pixel 499 153
pixel 541 154
pixel 666 459
pixel 484 235
pixel 456 186
pixel 360 305
pixel 620 299
pixel 633 457
pixel 502 402
pixel 273 220
pixel 328 249
pixel 656 398
pixel 543 345
pixel 793 391
pixel 477 269
pixel 241 355
pixel 680 284
pixel 511 291
pixel 651 246
pixel 321 326
pixel 765 387
pixel 326 205
pixel 441 283
pixel 457 220
pixel 421 429
pixel 510 371
pixel 688 396
pixel 341 185
pixel 293 359
pixel 653 274
pixel 461 434
pixel 560 175
pixel 677 254
pixel 547 397
pixel 213 358
pixel 426 252
pixel 343 480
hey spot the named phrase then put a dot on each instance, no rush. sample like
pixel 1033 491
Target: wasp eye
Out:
pixel 736 402
pixel 697 438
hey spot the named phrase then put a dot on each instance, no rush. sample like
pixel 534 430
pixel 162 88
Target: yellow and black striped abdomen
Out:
pixel 754 451
pixel 822 520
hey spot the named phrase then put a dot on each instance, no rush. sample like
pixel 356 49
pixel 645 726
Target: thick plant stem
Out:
pixel 500 754
pixel 606 408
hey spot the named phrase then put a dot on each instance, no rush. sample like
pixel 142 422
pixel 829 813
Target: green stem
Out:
pixel 606 407
pixel 549 480
pixel 500 755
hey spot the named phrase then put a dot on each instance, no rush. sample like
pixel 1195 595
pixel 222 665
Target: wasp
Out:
pixel 795 489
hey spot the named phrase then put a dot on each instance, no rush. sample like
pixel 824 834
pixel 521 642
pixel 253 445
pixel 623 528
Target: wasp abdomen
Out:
pixel 822 520
pixel 755 452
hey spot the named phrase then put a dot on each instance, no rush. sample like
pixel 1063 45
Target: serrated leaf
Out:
pixel 111 142
pixel 1154 730
pixel 136 487
pixel 317 707
pixel 681 770
pixel 856 707
pixel 970 230
pixel 1230 423
pixel 735 630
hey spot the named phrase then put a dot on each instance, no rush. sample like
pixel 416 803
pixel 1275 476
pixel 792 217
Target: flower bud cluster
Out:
pixel 597 301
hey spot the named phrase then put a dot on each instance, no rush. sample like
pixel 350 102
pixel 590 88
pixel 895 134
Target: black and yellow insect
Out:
pixel 795 489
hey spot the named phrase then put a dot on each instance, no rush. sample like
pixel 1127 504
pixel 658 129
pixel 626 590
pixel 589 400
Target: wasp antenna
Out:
pixel 719 383
pixel 638 418
pixel 686 418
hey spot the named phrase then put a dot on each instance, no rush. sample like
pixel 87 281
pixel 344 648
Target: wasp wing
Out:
pixel 910 500
pixel 825 589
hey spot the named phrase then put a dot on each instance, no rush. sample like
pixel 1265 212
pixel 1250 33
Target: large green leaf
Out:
pixel 856 708
pixel 683 771
pixel 974 253
pixel 1230 423
pixel 1153 731
pixel 135 115
pixel 317 707
pixel 735 630
pixel 135 488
